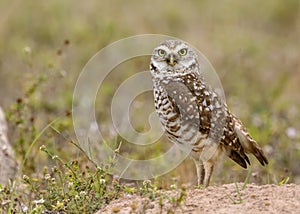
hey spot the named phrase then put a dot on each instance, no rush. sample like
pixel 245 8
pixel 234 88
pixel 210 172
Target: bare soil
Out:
pixel 215 199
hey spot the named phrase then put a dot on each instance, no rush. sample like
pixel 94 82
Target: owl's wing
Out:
pixel 232 143
pixel 216 119
pixel 248 143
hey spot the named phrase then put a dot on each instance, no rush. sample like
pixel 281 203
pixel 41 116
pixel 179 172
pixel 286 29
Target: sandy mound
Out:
pixel 215 199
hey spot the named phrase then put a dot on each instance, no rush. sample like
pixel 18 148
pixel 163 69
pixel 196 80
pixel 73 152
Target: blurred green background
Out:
pixel 253 45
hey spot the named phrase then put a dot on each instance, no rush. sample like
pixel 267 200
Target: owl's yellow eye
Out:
pixel 161 52
pixel 182 52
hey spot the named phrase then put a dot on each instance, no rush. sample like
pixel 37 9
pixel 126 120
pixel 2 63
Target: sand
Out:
pixel 215 199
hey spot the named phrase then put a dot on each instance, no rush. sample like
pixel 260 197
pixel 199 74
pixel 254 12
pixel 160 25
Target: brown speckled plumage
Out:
pixel 193 114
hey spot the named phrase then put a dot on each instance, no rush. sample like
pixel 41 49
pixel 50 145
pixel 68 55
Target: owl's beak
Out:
pixel 171 61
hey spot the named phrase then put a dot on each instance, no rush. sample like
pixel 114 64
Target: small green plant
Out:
pixel 284 181
pixel 22 119
pixel 246 179
pixel 161 203
pixel 149 190
pixel 177 200
pixel 240 200
pixel 66 188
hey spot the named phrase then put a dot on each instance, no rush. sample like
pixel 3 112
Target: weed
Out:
pixel 284 181
pixel 177 200
pixel 240 200
pixel 22 115
pixel 247 179
pixel 149 190
pixel 64 188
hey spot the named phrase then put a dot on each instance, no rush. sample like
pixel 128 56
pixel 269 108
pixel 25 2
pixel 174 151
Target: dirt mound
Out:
pixel 228 198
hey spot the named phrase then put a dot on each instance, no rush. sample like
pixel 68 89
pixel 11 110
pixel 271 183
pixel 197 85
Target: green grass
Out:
pixel 252 45
pixel 240 199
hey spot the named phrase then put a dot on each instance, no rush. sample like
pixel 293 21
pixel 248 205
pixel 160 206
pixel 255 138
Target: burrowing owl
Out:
pixel 193 114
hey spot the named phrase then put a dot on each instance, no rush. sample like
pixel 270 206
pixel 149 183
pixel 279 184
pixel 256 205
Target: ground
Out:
pixel 228 198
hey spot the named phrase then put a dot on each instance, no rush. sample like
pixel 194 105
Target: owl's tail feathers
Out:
pixel 258 153
pixel 250 146
pixel 236 157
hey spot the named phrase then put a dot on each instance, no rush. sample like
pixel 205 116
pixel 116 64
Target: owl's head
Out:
pixel 173 57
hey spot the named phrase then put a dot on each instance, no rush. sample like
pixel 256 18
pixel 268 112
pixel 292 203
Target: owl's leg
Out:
pixel 208 168
pixel 199 170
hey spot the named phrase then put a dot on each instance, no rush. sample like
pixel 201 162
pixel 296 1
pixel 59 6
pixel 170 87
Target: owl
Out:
pixel 193 115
